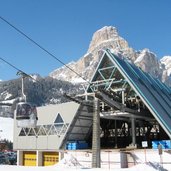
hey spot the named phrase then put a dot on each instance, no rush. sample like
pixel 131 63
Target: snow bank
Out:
pixel 69 162
pixel 153 157
pixel 140 167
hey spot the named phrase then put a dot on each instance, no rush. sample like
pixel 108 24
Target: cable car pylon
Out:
pixel 26 113
pixel 23 75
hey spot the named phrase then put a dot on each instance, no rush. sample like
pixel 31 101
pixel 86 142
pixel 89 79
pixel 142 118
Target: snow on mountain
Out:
pixel 5 95
pixel 9 101
pixel 6 128
pixel 148 62
pixel 166 61
pixel 105 38
pixel 63 72
pixel 108 38
pixel 35 77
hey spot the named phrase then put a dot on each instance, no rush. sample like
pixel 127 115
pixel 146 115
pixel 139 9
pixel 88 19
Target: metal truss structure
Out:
pixel 45 130
pixel 126 119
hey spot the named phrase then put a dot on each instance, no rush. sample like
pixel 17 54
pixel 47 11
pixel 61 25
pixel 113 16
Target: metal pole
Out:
pixel 96 136
pixel 116 134
pixel 133 131
pixel 123 97
pixel 22 88
pixel 109 158
pixel 161 160
pixel 145 155
pixel 23 75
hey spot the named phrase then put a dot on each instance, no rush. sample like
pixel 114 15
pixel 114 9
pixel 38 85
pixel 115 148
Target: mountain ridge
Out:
pixel 108 38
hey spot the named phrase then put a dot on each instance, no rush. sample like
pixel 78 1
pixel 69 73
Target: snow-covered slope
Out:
pixel 6 128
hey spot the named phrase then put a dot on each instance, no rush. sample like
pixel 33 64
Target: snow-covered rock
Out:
pixel 105 38
pixel 166 61
pixel 35 77
pixel 108 38
pixel 148 62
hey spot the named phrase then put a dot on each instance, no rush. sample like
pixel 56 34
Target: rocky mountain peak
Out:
pixel 104 38
pixel 109 38
pixel 104 34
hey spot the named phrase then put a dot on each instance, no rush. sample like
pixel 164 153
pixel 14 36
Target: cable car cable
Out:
pixel 19 71
pixel 41 47
pixel 10 64
pixel 22 73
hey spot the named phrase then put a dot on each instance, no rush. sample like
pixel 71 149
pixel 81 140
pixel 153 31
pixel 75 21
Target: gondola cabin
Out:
pixel 26 115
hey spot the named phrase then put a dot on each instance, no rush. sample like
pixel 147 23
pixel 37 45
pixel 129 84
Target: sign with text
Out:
pixel 144 144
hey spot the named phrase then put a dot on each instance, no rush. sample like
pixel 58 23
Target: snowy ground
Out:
pixel 6 128
pixel 70 164
pixel 154 159
pixel 111 159
pixel 140 167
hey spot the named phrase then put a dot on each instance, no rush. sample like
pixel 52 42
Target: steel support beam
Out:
pixel 96 136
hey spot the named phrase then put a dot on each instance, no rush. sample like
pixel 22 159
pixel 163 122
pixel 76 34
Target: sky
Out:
pixel 65 29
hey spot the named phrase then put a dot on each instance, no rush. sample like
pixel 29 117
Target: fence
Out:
pixel 115 159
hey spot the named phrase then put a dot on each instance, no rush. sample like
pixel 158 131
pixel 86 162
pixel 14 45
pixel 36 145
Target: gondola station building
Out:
pixel 122 107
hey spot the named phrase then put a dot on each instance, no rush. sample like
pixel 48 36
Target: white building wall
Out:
pixel 46 116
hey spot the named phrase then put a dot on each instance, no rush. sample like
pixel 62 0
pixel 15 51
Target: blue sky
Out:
pixel 65 28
